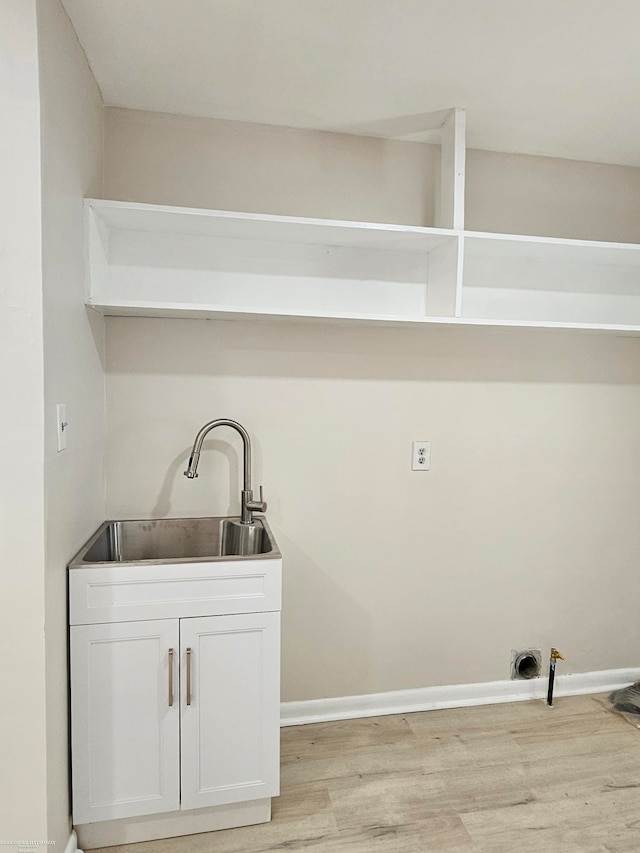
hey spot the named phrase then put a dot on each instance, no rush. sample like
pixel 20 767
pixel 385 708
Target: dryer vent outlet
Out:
pixel 526 663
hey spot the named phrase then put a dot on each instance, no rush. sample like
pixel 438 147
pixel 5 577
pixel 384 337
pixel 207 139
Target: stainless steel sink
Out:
pixel 175 540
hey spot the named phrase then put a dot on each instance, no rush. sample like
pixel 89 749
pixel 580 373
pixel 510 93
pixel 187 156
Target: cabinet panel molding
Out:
pixel 116 594
pixel 125 735
pixel 230 720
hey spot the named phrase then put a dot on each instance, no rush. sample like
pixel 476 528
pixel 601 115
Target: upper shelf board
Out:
pixel 555 249
pixel 131 216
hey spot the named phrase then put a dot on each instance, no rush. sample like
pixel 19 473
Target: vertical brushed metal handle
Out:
pixel 188 676
pixel 170 677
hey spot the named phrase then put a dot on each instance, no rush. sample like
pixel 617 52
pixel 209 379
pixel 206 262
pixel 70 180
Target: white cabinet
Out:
pixel 175 696
pixel 126 733
pixel 230 708
pixel 164 705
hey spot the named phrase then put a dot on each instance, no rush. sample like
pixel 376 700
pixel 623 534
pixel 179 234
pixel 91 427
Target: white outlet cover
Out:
pixel 421 456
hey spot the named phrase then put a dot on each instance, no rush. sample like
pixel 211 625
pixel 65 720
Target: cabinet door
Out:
pixel 230 699
pixel 125 729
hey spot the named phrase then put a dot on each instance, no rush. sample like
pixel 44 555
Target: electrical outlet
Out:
pixel 421 456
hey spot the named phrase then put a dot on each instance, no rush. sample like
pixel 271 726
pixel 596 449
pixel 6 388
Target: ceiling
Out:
pixel 554 77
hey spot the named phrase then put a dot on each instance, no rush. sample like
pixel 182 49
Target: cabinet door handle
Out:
pixel 188 676
pixel 170 677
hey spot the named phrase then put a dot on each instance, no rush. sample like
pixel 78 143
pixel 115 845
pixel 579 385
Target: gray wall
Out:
pixel 22 711
pixel 72 132
pixel 524 532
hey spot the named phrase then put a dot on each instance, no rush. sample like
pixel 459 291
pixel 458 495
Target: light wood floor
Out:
pixel 493 779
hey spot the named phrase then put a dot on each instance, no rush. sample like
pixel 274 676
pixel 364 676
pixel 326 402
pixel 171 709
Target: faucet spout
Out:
pixel 248 505
pixel 192 467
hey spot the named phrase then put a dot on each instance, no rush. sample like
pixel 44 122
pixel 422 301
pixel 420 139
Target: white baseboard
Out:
pixel 451 696
pixel 72 843
pixel 130 830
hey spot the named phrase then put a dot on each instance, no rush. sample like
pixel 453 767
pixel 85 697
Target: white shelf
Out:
pixel 209 312
pixel 147 258
pixel 549 280
pixel 154 261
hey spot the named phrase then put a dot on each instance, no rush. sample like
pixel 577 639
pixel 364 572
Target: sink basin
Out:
pixel 177 540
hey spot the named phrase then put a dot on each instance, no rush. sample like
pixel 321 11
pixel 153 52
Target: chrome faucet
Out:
pixel 248 505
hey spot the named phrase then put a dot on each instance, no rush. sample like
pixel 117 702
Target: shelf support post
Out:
pixel 450 197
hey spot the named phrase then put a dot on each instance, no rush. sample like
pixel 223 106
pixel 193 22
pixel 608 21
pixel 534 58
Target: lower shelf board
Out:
pixel 187 311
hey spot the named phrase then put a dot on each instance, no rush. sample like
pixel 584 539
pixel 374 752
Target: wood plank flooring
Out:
pixel 511 778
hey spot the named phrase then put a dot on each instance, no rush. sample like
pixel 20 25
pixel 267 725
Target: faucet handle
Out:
pixel 257 506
